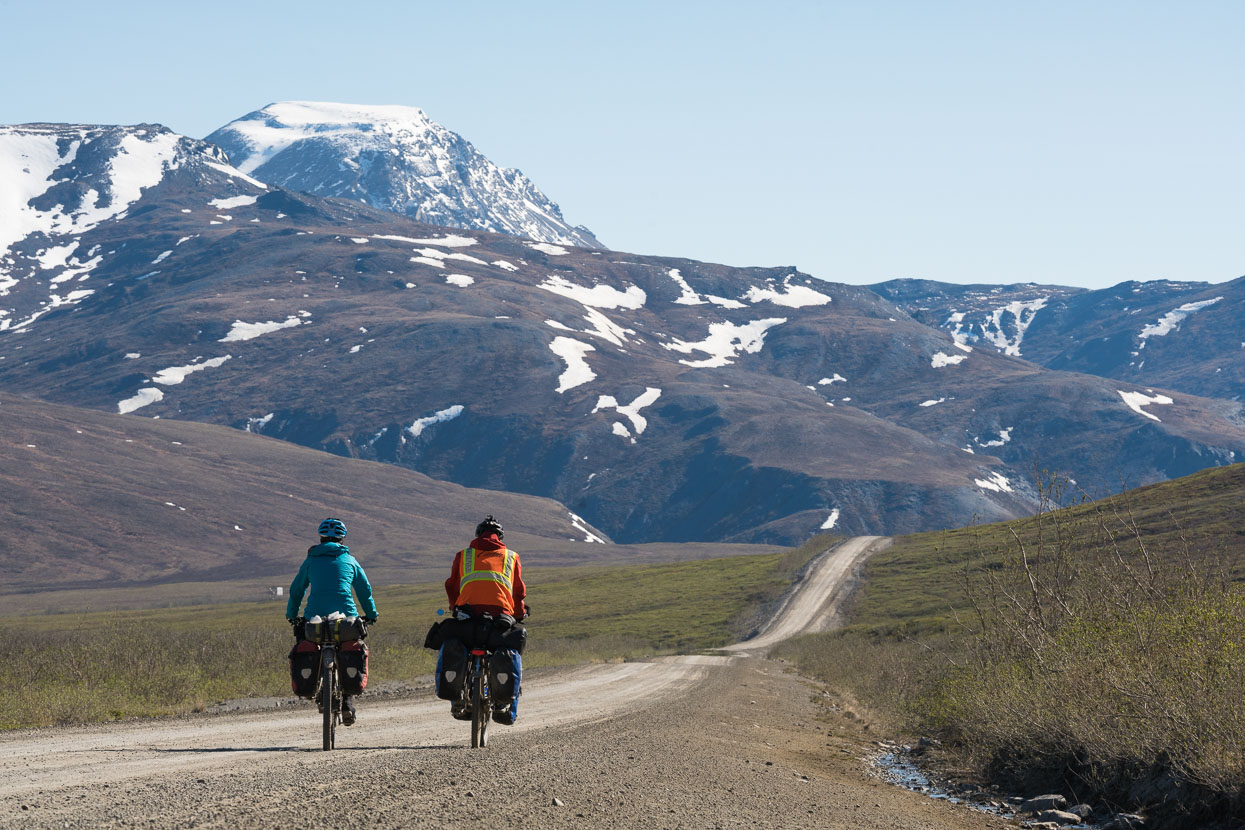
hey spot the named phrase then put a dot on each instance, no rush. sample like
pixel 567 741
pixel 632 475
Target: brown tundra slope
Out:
pixel 101 500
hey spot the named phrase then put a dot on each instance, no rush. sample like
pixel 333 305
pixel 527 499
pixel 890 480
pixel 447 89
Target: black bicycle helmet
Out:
pixel 489 525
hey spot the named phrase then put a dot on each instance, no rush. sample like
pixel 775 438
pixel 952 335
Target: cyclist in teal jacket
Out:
pixel 331 572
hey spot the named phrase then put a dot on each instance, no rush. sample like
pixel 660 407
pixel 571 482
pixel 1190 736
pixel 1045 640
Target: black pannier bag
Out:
pixel 470 631
pixel 478 633
pixel 501 676
pixel 437 634
pixel 352 667
pixel 499 635
pixel 304 668
pixel 451 670
pixel 514 638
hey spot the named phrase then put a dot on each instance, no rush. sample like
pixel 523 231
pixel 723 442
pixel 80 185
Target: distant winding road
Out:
pixel 815 601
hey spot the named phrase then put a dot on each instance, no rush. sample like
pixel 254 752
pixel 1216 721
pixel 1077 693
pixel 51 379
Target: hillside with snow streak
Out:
pixel 1178 335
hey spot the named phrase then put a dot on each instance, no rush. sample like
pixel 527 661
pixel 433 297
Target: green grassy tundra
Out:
pixel 75 668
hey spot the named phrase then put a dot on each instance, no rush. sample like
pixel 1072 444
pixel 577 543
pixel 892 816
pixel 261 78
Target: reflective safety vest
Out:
pixel 476 571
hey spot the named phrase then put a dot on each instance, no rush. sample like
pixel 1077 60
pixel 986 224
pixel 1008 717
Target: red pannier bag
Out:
pixel 304 668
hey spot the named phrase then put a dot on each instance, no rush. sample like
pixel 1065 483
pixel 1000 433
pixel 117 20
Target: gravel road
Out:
pixel 812 606
pixel 699 741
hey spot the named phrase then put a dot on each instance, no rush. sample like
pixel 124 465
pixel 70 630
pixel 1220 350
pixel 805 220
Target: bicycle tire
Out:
pixel 479 708
pixel 486 709
pixel 486 705
pixel 328 684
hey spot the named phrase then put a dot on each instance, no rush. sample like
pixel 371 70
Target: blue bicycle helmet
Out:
pixel 333 529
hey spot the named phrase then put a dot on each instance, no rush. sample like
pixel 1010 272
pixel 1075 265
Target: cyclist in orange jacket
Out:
pixel 486 578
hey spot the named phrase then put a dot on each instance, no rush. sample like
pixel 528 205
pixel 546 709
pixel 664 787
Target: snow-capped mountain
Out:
pixel 660 399
pixel 1177 335
pixel 61 182
pixel 394 158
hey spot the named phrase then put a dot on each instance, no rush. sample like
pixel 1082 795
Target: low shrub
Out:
pixel 1078 653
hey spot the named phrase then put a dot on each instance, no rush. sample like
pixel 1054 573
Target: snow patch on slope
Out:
pixel 547 248
pixel 688 296
pixel 1170 321
pixel 726 341
pixel 249 331
pixel 176 374
pixel 632 410
pixel 1136 400
pixel 577 370
pixel 598 296
pixel 941 359
pixel 791 296
pixel 439 417
pixel 233 202
pixel 448 241
pixel 580 525
pixel 1023 313
pixel 997 482
pixel 144 397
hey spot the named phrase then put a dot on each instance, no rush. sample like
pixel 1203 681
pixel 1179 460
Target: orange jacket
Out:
pixel 485 585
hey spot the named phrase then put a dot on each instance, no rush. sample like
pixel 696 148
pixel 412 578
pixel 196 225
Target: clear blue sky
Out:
pixel 1082 143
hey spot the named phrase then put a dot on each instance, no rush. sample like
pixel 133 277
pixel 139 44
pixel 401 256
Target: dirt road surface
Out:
pixel 813 605
pixel 704 741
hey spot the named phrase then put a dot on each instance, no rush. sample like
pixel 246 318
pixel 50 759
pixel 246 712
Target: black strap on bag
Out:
pixel 437 635
pixel 515 638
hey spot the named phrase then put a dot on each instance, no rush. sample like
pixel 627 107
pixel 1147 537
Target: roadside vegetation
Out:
pixel 76 668
pixel 1096 650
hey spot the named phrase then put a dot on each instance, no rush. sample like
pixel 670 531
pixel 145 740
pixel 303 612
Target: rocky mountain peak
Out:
pixel 64 177
pixel 61 182
pixel 394 158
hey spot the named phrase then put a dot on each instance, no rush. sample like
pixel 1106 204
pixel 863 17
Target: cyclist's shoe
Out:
pixel 348 714
pixel 460 710
pixel 320 701
pixel 506 713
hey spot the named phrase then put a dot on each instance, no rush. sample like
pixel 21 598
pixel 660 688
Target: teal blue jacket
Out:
pixel 331 572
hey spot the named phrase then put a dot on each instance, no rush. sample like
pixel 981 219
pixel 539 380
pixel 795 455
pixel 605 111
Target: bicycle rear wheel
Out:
pixel 479 708
pixel 328 688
